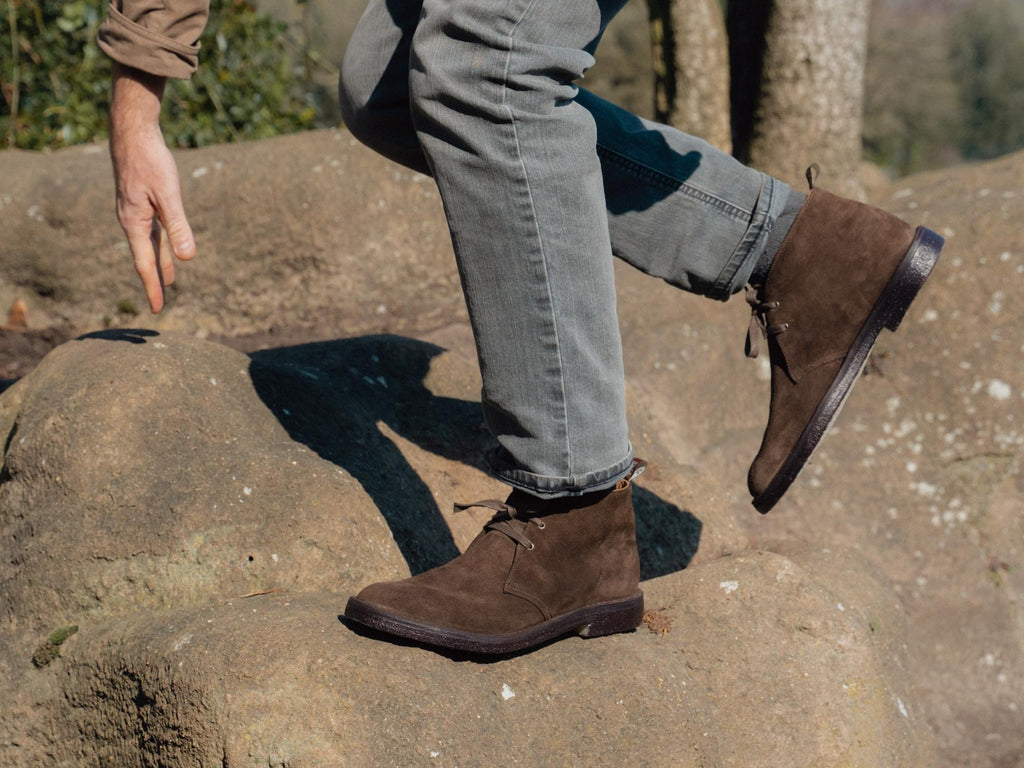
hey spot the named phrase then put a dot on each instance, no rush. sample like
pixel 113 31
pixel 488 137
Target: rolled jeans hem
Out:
pixel 549 486
pixel 770 204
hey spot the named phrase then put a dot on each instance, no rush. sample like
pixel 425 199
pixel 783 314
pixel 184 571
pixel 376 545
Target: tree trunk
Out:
pixel 811 89
pixel 691 68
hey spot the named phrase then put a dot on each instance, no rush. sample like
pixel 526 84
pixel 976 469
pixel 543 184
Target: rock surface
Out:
pixel 873 618
pixel 206 574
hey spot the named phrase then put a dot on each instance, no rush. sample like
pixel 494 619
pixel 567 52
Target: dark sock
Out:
pixel 794 202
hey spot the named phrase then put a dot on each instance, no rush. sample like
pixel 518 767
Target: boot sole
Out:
pixel 888 312
pixel 591 621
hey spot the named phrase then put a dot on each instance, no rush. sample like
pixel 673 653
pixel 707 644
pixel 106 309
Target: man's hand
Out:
pixel 148 190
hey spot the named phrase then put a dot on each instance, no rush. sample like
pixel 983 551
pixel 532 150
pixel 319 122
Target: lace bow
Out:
pixel 759 321
pixel 506 520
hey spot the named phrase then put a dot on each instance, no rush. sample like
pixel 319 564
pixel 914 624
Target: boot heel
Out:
pixel 910 276
pixel 611 619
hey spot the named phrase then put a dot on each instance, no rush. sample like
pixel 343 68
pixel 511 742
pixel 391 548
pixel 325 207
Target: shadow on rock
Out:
pixel 331 396
pixel 131 335
pixel 340 398
pixel 666 535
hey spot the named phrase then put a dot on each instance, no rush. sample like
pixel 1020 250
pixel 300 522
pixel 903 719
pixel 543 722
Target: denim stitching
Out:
pixel 540 242
pixel 547 484
pixel 761 225
pixel 670 184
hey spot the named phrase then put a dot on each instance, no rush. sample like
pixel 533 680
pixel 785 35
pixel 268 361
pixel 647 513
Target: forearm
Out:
pixel 135 102
pixel 134 114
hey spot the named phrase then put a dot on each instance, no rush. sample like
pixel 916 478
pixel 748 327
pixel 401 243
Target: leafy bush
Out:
pixel 943 87
pixel 988 62
pixel 56 81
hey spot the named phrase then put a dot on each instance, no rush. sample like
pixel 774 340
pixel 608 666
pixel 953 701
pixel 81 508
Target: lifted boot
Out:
pixel 844 272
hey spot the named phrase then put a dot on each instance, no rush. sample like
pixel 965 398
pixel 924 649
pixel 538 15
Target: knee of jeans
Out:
pixel 357 110
pixel 444 69
pixel 463 64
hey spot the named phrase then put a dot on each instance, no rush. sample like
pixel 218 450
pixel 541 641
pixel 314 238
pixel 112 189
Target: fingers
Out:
pixel 179 233
pixel 153 253
pixel 145 217
pixel 141 242
pixel 148 200
pixel 165 258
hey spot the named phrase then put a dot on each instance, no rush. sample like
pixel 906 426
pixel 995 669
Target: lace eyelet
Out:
pixel 541 524
pixel 530 546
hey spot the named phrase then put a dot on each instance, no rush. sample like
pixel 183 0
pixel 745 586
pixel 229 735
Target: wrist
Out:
pixel 135 101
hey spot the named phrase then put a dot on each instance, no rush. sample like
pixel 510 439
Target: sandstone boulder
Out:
pixel 311 238
pixel 200 516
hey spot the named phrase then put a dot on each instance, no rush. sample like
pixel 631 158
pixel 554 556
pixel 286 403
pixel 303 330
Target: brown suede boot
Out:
pixel 844 271
pixel 540 569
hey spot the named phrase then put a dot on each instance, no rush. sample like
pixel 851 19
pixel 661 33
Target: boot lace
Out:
pixel 759 308
pixel 759 320
pixel 506 520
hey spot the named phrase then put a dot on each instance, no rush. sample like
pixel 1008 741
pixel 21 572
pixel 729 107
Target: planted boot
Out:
pixel 844 272
pixel 540 569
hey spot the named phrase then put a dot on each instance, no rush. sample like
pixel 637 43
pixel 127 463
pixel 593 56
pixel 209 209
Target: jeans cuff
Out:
pixel 770 205
pixel 550 487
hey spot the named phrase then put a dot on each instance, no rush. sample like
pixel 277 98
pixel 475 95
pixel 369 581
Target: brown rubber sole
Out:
pixel 888 312
pixel 590 621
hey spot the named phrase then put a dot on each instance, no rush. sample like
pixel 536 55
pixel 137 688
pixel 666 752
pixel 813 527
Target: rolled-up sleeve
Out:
pixel 157 36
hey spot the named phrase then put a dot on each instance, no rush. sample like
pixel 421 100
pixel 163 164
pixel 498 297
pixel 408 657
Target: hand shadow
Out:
pixel 131 335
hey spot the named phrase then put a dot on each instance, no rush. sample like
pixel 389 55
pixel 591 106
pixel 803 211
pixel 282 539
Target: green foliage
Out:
pixel 56 81
pixel 50 648
pixel 245 87
pixel 943 87
pixel 988 61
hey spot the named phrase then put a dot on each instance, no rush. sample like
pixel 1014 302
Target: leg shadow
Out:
pixel 332 396
pixel 666 535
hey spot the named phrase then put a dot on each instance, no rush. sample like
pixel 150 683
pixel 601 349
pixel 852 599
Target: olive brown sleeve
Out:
pixel 160 37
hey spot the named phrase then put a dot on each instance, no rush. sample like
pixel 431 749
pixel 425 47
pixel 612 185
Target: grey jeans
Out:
pixel 542 184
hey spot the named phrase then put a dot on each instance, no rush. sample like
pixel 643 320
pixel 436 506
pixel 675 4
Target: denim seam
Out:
pixel 669 183
pixel 551 486
pixel 540 241
pixel 760 225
